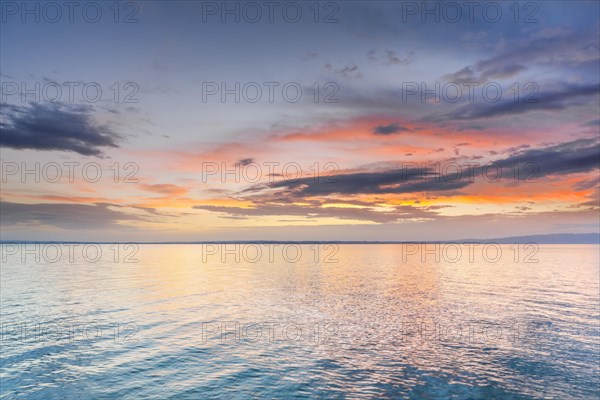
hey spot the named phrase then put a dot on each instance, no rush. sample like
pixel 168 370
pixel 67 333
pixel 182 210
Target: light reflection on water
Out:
pixel 370 325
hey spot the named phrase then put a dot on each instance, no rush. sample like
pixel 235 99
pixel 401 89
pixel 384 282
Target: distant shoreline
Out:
pixel 560 238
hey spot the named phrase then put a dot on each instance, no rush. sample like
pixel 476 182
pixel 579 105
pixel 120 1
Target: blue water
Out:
pixel 352 321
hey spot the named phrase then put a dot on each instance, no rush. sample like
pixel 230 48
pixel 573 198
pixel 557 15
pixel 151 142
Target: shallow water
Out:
pixel 352 321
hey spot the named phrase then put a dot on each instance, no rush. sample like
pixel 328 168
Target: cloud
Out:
pixel 595 122
pixel 578 156
pixel 66 216
pixel 558 46
pixel 541 101
pixel 587 184
pixel 402 180
pixel 390 57
pixel 350 72
pixel 502 71
pixel 582 155
pixel 467 74
pixel 168 189
pixel 313 198
pixel 244 162
pixel 320 209
pixel 54 127
pixel 544 47
pixel 389 129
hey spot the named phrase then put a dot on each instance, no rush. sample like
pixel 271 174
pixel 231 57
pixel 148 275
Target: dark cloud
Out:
pixel 587 184
pixel 315 209
pixel 595 122
pixel 467 74
pixel 582 155
pixel 402 180
pixel 389 129
pixel 516 149
pixel 279 198
pixel 62 215
pixel 54 126
pixel 542 101
pixel 557 46
pixel 502 72
pixel 349 72
pixel 390 57
pixel 543 47
pixel 244 161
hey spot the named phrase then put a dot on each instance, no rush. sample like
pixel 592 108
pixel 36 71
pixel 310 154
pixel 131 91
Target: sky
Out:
pixel 331 120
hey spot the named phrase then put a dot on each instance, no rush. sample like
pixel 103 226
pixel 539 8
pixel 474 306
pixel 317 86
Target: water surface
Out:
pixel 352 321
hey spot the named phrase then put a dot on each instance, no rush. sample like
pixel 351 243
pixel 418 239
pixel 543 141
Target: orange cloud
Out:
pixel 165 188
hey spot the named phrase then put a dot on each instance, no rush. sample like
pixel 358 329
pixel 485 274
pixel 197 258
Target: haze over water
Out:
pixel 355 321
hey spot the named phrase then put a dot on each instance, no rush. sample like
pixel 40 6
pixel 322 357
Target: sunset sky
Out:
pixel 387 150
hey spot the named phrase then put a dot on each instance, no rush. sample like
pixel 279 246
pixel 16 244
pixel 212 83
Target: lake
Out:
pixel 190 321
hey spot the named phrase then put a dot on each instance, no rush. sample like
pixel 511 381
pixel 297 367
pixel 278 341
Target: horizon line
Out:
pixel 506 240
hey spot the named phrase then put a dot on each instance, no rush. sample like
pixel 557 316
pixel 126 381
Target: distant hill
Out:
pixel 558 238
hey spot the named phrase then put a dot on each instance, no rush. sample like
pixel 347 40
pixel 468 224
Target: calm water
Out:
pixel 356 321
